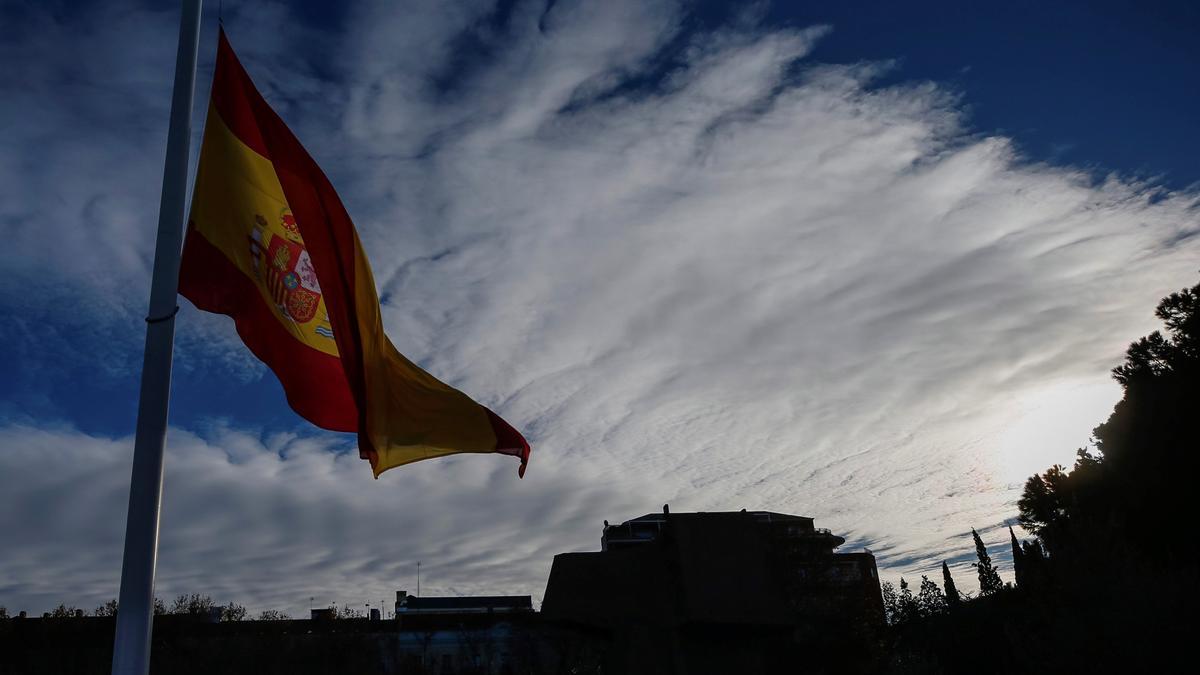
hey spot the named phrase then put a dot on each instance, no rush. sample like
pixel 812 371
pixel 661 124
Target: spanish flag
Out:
pixel 270 244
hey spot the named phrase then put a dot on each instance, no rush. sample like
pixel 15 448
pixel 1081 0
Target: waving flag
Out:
pixel 270 244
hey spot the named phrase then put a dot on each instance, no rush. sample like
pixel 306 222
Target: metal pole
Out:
pixel 135 614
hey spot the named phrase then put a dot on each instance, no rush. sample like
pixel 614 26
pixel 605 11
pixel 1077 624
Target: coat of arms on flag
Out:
pixel 285 268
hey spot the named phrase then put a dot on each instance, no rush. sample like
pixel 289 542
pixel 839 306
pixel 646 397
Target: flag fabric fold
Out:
pixel 270 244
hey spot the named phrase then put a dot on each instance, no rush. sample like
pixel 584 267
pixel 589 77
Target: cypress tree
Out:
pixel 1018 559
pixel 952 596
pixel 989 578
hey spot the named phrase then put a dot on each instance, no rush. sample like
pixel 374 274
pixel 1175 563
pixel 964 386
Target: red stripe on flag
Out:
pixel 509 441
pixel 232 92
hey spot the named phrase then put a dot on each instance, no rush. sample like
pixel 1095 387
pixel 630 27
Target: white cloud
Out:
pixel 763 283
pixel 269 520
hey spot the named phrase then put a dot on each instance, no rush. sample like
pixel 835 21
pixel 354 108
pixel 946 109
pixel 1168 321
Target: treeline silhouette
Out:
pixel 190 605
pixel 1109 581
pixel 903 606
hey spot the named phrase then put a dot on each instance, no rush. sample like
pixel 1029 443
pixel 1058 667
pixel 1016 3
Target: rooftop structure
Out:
pixel 648 528
pixel 479 604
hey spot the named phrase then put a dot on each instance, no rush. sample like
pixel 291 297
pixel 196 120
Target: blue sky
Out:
pixel 867 262
pixel 1092 84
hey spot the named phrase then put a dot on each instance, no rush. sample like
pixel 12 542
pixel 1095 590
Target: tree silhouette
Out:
pixel 107 609
pixel 346 612
pixel 203 605
pixel 907 606
pixel 1124 499
pixel 1019 565
pixel 989 578
pixel 952 597
pixel 191 604
pixel 891 603
pixel 233 612
pixel 930 599
pixel 273 615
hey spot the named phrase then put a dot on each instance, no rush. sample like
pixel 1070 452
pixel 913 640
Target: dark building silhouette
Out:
pixel 697 592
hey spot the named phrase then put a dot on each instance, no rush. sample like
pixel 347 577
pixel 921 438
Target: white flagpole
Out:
pixel 135 613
